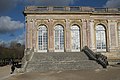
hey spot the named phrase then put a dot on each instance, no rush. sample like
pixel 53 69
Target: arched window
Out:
pixel 75 38
pixel 59 38
pixel 100 38
pixel 42 38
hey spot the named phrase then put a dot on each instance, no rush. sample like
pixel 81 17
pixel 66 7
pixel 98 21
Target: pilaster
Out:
pixel 112 25
pixel 92 36
pixel 84 31
pixel 51 36
pixel 88 33
pixel 29 34
pixel 67 36
pixel 34 35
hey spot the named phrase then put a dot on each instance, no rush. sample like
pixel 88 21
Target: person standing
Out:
pixel 12 69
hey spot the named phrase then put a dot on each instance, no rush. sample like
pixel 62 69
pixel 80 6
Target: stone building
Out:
pixel 55 37
pixel 69 29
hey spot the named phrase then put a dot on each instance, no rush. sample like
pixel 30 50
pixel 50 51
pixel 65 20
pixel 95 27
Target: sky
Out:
pixel 12 20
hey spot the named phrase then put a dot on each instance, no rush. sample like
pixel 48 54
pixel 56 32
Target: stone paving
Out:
pixel 111 73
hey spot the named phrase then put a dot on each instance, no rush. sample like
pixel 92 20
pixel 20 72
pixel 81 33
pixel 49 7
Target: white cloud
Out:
pixel 8 25
pixel 20 39
pixel 112 3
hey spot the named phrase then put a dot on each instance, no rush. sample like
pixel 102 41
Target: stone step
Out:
pixel 64 56
pixel 70 65
pixel 60 61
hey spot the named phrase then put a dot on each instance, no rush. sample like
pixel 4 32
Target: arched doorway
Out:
pixel 42 38
pixel 59 38
pixel 100 38
pixel 75 38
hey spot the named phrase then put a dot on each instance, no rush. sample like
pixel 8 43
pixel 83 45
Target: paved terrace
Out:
pixel 71 9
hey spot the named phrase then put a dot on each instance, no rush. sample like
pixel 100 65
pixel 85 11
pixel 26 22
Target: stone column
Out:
pixel 112 25
pixel 68 37
pixel 92 37
pixel 84 33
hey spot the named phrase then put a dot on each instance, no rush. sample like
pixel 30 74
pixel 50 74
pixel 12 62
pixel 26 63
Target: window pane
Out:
pixel 42 38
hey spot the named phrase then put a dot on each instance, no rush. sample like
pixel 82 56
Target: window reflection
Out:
pixel 100 38
pixel 75 38
pixel 119 35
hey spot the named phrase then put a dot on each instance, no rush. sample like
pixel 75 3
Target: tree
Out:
pixel 2 44
pixel 13 44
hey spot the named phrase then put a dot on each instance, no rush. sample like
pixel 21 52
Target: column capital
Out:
pixel 91 20
pixel 29 20
pixel 67 20
pixel 84 20
pixel 50 20
pixel 112 20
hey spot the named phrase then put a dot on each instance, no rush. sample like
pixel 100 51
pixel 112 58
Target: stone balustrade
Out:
pixel 71 9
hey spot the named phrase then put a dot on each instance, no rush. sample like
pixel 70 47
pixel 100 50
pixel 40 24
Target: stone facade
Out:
pixel 86 18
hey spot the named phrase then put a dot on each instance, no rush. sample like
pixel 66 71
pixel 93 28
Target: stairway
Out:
pixel 60 61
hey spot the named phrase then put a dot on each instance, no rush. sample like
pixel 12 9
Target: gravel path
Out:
pixel 112 73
